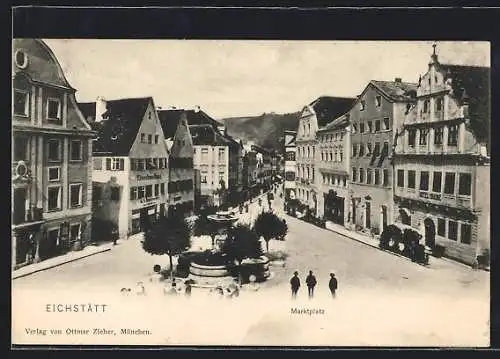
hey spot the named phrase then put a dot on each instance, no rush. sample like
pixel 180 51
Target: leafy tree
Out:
pixel 170 236
pixel 268 225
pixel 242 242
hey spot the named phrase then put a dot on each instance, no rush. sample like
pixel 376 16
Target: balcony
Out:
pixel 450 200
pixel 30 216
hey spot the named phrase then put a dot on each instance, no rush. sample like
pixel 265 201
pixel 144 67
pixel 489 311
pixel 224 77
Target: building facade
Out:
pixel 442 164
pixel 379 109
pixel 131 165
pixel 314 116
pixel 51 149
pixel 290 165
pixel 334 145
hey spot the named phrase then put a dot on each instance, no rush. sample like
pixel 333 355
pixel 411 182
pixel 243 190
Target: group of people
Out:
pixel 311 284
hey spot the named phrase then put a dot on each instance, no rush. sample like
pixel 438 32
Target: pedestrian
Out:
pixel 333 284
pixel 295 284
pixel 141 290
pixel 188 290
pixel 311 283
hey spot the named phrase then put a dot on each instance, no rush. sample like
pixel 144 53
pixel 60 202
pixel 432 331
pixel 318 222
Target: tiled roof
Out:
pixel 472 84
pixel 206 135
pixel 42 63
pixel 340 122
pixel 396 90
pixel 118 130
pixel 88 110
pixel 328 108
pixel 170 118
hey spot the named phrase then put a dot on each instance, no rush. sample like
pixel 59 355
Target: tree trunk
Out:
pixel 267 245
pixel 171 267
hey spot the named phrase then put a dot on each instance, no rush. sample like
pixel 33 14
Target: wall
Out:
pixel 210 165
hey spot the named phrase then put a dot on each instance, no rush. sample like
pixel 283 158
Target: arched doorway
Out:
pixel 405 216
pixel 430 232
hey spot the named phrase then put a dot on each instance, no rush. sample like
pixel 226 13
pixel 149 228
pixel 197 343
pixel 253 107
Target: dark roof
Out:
pixel 43 65
pixel 88 110
pixel 207 135
pixel 118 130
pixel 328 108
pixel 170 118
pixel 339 122
pixel 472 84
pixel 397 90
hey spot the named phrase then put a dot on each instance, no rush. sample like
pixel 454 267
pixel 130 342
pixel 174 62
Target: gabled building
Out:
pixel 290 166
pixel 375 116
pixel 442 161
pixel 334 145
pixel 314 116
pixel 51 152
pixel 130 165
pixel 181 169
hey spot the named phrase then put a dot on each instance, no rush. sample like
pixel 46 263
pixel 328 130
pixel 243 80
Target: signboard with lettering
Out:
pixel 149 176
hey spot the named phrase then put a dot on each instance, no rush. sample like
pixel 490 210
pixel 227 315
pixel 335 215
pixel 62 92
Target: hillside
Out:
pixel 265 130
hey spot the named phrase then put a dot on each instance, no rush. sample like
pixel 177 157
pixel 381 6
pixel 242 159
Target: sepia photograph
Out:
pixel 250 192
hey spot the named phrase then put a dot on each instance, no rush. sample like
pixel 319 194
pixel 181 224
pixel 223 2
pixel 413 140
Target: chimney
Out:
pixel 158 108
pixel 197 109
pixel 222 129
pixel 398 80
pixel 100 108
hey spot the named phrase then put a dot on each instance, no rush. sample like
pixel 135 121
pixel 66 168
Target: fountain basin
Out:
pixel 209 270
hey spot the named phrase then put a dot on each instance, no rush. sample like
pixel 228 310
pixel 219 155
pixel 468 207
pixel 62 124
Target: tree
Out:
pixel 242 242
pixel 170 236
pixel 268 225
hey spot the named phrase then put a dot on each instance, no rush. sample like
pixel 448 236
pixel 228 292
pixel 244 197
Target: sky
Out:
pixel 233 78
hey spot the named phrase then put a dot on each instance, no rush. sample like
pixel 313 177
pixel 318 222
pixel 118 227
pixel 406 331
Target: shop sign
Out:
pixel 149 176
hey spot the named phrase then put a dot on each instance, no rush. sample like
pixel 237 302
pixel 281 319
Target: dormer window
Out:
pixel 439 104
pixel 362 105
pixel 378 101
pixel 53 109
pixel 21 59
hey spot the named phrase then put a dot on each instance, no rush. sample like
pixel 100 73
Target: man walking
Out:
pixel 295 284
pixel 332 284
pixel 311 283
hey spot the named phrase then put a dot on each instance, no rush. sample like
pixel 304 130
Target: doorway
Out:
pixel 368 223
pixel 430 233
pixel 143 219
pixel 383 213
pixel 353 204
pixel 19 205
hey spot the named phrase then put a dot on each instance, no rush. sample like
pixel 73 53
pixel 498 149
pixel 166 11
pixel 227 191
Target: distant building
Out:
pixel 334 145
pixel 314 116
pixel 442 161
pixel 378 111
pixel 290 165
pixel 131 166
pixel 181 168
pixel 51 150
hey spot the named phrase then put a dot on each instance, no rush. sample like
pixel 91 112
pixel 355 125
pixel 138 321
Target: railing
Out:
pixel 437 198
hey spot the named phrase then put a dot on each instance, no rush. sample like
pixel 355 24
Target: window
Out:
pixel 449 183
pixel 453 135
pixel 370 126
pixel 362 105
pixel 157 190
pixel 76 150
pixel 341 155
pixel 149 191
pixel 411 179
pixel 290 156
pixel 354 150
pixel 354 174
pixel 54 198
pixel 354 128
pixel 436 182
pixel 75 195
pixel 115 164
pixel 465 233
pixel 378 101
pixel 369 176
pixel 386 123
pixel 53 109
pixel 439 104
pixel 438 136
pixel 412 133
pixel 424 181
pixel 143 138
pixel 150 139
pixel 141 164
pixel 361 150
pixel 377 125
pixel 361 128
pixel 221 176
pixel 21 59
pixel 54 150
pixel 441 230
pixel 54 174
pixel 376 150
pixel 368 149
pixel 156 139
pixel 21 103
pixel 377 177
pixel 20 148
pixel 401 178
pixel 133 193
pixel 452 230
pixel 115 193
pixel 464 184
pixel 423 137
pixel 361 175
pixel 162 188
pixel 426 105
pixel 141 192
pixel 385 180
pixel 221 154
